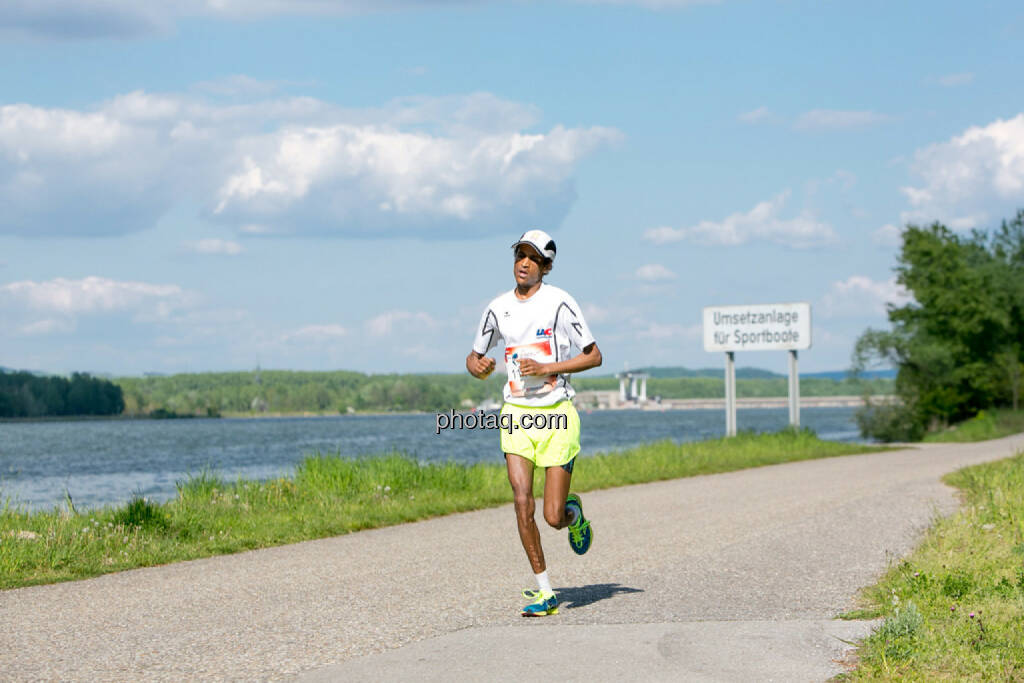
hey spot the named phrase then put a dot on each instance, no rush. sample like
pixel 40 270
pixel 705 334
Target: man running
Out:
pixel 540 324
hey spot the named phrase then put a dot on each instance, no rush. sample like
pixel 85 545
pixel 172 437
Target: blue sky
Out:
pixel 335 184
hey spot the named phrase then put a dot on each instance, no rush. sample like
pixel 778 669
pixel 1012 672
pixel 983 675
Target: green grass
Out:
pixel 954 610
pixel 330 495
pixel 983 426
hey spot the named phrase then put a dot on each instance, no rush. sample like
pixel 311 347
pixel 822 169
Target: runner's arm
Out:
pixel 479 365
pixel 590 358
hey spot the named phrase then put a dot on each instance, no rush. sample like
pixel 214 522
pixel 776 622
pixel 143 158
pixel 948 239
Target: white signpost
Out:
pixel 764 327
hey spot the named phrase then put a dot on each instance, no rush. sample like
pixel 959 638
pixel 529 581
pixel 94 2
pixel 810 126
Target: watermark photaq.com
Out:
pixel 484 420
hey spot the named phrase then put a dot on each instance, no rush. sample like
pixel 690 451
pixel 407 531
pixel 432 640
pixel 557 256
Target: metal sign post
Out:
pixel 730 394
pixel 762 327
pixel 794 391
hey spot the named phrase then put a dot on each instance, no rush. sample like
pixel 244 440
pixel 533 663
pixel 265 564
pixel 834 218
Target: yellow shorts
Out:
pixel 549 436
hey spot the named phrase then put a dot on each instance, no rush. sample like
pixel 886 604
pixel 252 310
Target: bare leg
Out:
pixel 556 488
pixel 520 476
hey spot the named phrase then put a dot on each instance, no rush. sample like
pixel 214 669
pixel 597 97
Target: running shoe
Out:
pixel 580 533
pixel 542 605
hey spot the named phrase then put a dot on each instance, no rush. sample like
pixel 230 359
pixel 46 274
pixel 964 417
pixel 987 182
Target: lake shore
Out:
pixel 332 495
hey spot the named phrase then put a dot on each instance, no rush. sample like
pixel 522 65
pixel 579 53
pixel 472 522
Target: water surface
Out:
pixel 107 461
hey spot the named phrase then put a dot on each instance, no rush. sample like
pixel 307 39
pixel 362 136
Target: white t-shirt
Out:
pixel 544 327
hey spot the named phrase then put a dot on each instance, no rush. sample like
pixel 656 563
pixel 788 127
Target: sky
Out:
pixel 214 185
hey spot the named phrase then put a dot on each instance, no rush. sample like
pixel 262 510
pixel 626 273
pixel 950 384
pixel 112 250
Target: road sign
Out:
pixel 764 327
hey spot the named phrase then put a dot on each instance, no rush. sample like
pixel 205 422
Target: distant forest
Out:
pixel 23 394
pixel 283 391
pixel 286 391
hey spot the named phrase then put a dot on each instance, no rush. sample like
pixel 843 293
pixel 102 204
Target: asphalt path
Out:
pixel 726 577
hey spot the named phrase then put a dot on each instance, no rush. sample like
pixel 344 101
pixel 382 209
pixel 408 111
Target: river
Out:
pixel 102 462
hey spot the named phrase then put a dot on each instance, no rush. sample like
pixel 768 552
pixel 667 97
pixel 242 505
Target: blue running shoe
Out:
pixel 580 533
pixel 542 605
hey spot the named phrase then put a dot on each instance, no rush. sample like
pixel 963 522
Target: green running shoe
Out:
pixel 580 533
pixel 542 605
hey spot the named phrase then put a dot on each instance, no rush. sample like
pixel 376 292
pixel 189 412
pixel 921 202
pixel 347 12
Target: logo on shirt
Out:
pixel 544 332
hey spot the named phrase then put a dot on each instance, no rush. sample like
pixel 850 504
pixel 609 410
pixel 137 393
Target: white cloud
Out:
pixel 821 119
pixel 66 171
pixel 85 19
pixel 457 165
pixel 954 80
pixel 388 323
pixel 755 116
pixel 58 306
pixel 654 272
pixel 90 19
pixel 860 296
pixel 971 177
pixel 92 295
pixel 763 222
pixel 214 246
pixel 78 19
pixel 373 180
pixel 888 235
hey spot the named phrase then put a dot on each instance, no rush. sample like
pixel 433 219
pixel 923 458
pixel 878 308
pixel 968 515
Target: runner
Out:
pixel 540 325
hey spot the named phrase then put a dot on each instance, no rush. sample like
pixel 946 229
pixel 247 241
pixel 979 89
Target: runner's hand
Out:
pixel 528 367
pixel 483 367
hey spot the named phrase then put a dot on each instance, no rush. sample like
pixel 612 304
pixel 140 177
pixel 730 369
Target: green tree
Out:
pixel 956 344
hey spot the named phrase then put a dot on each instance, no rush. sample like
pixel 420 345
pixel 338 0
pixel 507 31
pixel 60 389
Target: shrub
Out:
pixel 890 422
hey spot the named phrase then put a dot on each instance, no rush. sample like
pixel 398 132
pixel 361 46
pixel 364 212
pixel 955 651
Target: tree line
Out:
pixel 283 391
pixel 23 394
pixel 958 344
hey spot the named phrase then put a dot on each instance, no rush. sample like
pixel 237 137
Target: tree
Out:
pixel 956 343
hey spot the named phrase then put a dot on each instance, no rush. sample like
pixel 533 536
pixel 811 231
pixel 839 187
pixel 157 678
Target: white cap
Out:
pixel 539 240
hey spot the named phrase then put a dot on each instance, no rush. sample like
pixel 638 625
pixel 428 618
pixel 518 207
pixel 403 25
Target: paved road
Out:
pixel 727 577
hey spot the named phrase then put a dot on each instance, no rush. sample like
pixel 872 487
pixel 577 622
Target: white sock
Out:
pixel 544 583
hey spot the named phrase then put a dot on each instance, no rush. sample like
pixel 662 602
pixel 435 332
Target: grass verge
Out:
pixel 985 425
pixel 954 610
pixel 330 495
